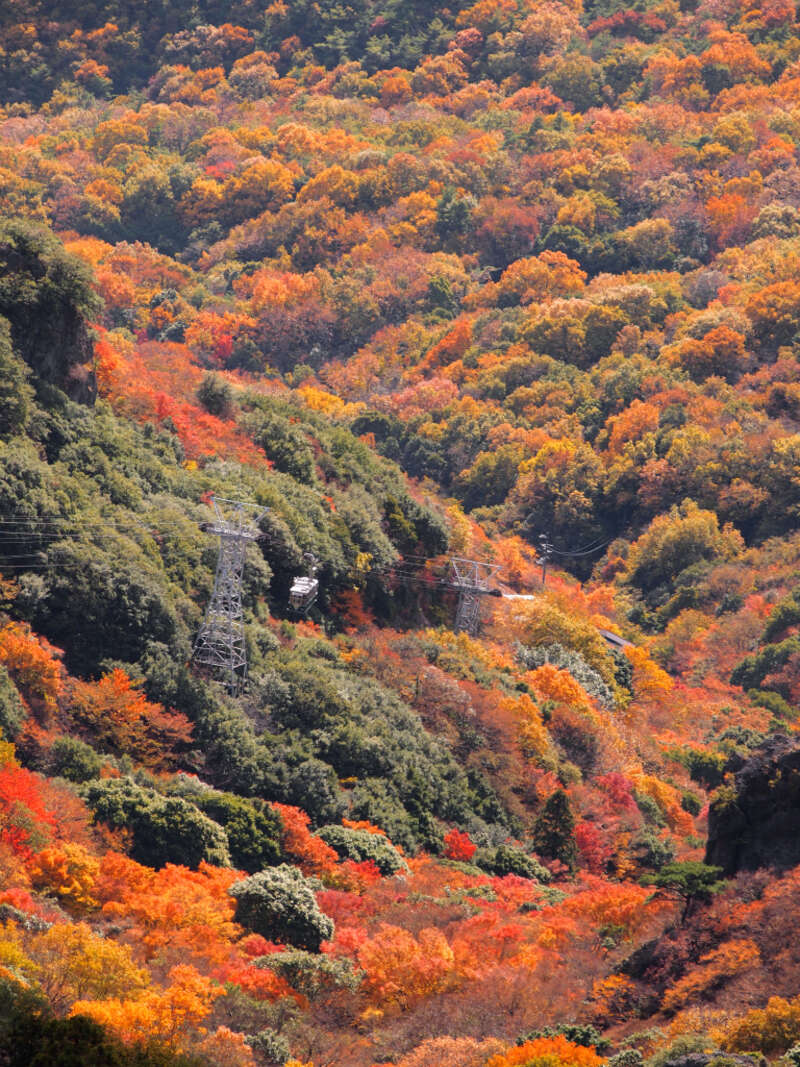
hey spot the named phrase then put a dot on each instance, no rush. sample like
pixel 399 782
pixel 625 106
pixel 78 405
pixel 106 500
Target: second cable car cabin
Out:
pixel 305 587
pixel 303 593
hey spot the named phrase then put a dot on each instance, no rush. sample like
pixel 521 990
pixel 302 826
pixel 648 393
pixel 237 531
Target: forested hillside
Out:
pixel 418 282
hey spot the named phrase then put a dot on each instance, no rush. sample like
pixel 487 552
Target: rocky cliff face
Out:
pixel 756 821
pixel 714 1059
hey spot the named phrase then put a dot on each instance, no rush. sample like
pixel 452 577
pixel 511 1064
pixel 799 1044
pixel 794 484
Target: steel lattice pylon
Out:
pixel 471 578
pixel 220 645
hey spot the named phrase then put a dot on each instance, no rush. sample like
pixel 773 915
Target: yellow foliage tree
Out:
pixel 543 622
pixel 668 799
pixel 73 963
pixel 170 1015
pixel 772 1029
pixel 554 683
pixel 533 736
pixel 15 965
pixel 68 871
pixel 31 663
pixel 649 680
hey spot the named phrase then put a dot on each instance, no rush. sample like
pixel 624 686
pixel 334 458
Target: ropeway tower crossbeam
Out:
pixel 471 578
pixel 220 643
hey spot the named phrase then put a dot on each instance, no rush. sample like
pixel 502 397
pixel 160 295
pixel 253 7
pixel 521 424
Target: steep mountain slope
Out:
pixel 422 282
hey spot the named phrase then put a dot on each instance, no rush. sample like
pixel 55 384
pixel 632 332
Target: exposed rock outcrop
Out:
pixel 756 822
pixel 714 1059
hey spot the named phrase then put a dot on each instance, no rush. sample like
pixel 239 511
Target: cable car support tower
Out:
pixel 471 578
pixel 220 643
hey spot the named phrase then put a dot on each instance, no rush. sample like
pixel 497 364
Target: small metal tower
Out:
pixel 471 578
pixel 220 645
pixel 545 552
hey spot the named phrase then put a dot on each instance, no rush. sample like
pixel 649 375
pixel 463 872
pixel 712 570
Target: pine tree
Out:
pixel 554 830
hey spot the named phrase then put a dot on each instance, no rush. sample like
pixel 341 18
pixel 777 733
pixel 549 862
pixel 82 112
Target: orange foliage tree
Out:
pixel 33 665
pixel 173 911
pixel 119 718
pixel 69 871
pixel 547 1052
pixel 400 968
pixel 171 1015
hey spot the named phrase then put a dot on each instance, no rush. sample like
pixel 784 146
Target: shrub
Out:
pixel 679 1048
pixel 74 760
pixel 215 395
pixel 11 710
pixel 651 851
pixel 163 829
pixel 578 1033
pixel 253 829
pixel 360 845
pixel 649 808
pixel 508 859
pixel 270 1046
pixel 280 905
pixel 311 974
pixel 629 1057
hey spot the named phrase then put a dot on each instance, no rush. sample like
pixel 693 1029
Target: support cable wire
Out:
pixel 25 555
pixel 590 547
pixel 585 552
pixel 76 566
pixel 78 524
pixel 220 641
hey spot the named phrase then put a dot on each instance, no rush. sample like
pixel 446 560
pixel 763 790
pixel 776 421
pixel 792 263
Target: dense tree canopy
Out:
pixel 419 281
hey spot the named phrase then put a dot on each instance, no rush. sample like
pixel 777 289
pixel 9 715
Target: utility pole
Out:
pixel 220 645
pixel 545 552
pixel 471 579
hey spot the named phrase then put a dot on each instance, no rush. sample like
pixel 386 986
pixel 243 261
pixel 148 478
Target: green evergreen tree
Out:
pixel 280 905
pixel 554 830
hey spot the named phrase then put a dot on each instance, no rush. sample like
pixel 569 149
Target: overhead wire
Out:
pixel 13 525
pixel 17 531
pixel 53 531
pixel 411 576
pixel 592 545
pixel 583 552
pixel 76 566
pixel 21 555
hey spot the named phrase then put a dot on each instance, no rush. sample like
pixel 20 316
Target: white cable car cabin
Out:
pixel 303 593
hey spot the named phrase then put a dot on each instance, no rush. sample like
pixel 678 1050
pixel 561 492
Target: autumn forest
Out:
pixel 515 282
